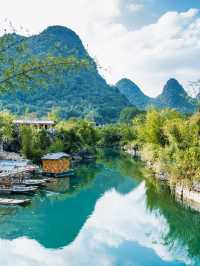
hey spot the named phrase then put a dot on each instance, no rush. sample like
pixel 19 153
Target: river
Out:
pixel 106 215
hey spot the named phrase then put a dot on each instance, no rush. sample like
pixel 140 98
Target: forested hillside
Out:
pixel 173 96
pixel 74 92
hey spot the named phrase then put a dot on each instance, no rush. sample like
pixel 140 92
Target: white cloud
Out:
pixel 135 7
pixel 154 53
pixel 80 14
pixel 168 48
pixel 116 220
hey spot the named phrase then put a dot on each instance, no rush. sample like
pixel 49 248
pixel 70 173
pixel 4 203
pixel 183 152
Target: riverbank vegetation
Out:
pixel 73 136
pixel 169 141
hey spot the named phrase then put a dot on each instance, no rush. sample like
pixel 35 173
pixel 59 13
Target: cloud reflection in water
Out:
pixel 120 230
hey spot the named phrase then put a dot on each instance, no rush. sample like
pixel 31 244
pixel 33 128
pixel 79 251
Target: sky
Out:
pixel 147 41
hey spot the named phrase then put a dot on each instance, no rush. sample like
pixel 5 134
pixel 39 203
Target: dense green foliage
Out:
pixel 21 68
pixel 73 136
pixel 76 89
pixel 170 142
pixel 5 127
pixel 128 114
pixel 167 139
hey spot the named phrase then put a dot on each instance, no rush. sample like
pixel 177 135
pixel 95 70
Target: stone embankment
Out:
pixel 132 150
pixel 188 195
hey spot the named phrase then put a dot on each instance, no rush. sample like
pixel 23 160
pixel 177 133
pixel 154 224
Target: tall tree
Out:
pixel 5 127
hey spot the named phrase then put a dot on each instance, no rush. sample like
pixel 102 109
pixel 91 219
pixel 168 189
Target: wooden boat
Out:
pixel 50 180
pixel 22 202
pixel 21 189
pixel 5 190
pixel 33 182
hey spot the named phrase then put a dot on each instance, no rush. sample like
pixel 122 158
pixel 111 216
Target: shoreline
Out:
pixel 187 195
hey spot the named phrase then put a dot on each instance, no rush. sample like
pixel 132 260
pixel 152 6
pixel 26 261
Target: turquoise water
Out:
pixel 107 215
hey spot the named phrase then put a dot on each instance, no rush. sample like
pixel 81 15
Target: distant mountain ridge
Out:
pixel 82 93
pixel 173 96
pixel 133 93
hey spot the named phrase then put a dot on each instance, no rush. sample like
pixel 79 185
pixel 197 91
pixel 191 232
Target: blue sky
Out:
pixel 147 41
pixel 152 9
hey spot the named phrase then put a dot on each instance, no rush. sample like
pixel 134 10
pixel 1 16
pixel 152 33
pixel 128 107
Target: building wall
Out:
pixel 56 166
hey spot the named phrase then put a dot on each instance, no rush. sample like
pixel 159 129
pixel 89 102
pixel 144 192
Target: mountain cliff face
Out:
pixel 76 93
pixel 173 96
pixel 133 93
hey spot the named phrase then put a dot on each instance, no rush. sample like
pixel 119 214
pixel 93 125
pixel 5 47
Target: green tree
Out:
pixel 54 115
pixel 128 114
pixel 26 138
pixel 110 136
pixel 34 142
pixel 150 129
pixel 87 133
pixel 6 129
pixel 56 146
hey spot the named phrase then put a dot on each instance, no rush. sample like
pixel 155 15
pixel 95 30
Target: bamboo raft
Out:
pixel 22 202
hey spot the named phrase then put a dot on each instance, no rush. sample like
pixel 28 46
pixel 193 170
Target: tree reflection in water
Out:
pixel 184 223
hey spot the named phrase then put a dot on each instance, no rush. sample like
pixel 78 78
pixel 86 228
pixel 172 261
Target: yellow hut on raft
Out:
pixel 57 164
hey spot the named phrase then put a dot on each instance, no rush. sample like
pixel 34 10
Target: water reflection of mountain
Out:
pixel 56 221
pixel 184 223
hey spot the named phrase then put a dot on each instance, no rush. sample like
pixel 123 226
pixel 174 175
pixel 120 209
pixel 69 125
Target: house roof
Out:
pixel 34 122
pixel 55 156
